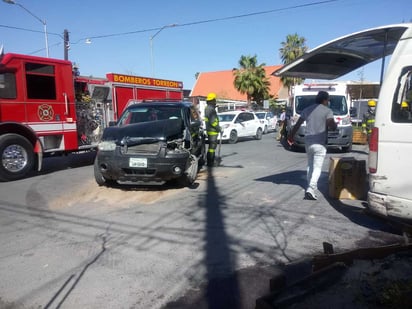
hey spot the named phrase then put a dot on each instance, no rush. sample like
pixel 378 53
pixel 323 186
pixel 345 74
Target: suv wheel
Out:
pixel 259 134
pixel 233 137
pixel 190 174
pixel 100 179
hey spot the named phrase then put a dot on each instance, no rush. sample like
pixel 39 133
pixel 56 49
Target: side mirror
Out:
pixel 112 123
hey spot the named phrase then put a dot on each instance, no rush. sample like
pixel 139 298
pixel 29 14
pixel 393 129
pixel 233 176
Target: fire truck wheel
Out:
pixel 100 179
pixel 17 157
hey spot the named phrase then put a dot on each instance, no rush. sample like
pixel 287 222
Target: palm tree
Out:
pixel 250 79
pixel 291 49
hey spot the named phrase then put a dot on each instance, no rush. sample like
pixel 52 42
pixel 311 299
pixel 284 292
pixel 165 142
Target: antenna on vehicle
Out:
pixel 1 51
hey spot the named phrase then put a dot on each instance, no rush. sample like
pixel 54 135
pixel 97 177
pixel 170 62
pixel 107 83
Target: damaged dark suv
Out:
pixel 152 142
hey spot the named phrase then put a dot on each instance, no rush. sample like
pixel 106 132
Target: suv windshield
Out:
pixel 337 104
pixel 226 117
pixel 260 115
pixel 141 114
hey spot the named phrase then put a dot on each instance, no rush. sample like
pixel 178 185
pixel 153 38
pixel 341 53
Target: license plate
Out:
pixel 138 162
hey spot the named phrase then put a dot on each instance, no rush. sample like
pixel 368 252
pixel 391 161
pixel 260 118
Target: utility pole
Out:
pixel 66 44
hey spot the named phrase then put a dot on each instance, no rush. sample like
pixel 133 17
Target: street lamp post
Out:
pixel 151 43
pixel 39 19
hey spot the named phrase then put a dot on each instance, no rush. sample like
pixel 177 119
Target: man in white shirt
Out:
pixel 318 118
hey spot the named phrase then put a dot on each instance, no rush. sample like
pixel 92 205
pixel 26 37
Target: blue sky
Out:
pixel 192 45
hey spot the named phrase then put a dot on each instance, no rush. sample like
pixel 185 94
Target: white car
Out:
pixel 237 124
pixel 268 120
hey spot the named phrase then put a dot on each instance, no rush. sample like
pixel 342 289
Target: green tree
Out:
pixel 291 49
pixel 251 79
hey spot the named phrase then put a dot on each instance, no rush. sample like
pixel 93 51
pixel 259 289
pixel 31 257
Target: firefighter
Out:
pixel 369 117
pixel 405 114
pixel 212 127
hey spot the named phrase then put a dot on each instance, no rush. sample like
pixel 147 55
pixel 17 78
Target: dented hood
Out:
pixel 146 132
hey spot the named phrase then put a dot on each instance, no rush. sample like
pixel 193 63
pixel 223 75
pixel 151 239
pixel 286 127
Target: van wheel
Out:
pixel 17 157
pixel 347 149
pixel 233 137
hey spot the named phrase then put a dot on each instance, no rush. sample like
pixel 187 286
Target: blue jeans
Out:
pixel 316 154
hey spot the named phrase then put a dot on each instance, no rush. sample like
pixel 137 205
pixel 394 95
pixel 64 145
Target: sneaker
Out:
pixel 310 196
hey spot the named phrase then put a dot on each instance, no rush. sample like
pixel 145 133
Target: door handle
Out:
pixel 66 102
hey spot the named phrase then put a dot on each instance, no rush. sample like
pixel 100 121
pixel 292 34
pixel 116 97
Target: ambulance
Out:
pixel 304 95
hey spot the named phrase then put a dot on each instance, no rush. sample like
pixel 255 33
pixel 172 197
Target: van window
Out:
pixel 304 101
pixel 337 104
pixel 8 86
pixel 401 106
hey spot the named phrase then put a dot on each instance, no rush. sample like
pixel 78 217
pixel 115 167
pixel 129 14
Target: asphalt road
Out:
pixel 67 243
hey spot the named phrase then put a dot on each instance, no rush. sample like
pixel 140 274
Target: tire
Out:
pixel 202 155
pixel 259 134
pixel 190 174
pixel 100 179
pixel 347 149
pixel 233 138
pixel 265 130
pixel 16 157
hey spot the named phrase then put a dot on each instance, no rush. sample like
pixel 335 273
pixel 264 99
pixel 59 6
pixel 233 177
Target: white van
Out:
pixel 390 146
pixel 305 95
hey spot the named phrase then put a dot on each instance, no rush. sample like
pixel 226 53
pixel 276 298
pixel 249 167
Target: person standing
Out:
pixel 318 117
pixel 369 117
pixel 282 125
pixel 212 127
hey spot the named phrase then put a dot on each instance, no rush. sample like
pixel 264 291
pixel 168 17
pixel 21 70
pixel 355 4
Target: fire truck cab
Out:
pixel 47 109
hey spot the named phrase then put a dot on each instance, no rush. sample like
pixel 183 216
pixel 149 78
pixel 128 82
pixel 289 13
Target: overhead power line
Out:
pixel 191 23
pixel 28 30
pixel 217 19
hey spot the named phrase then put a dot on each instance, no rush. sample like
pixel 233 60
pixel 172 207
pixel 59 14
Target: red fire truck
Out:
pixel 47 109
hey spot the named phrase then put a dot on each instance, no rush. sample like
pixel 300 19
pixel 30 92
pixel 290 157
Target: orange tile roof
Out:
pixel 221 83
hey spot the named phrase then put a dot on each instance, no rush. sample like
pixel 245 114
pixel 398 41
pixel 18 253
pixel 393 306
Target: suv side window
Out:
pixel 402 104
pixel 194 113
pixel 240 117
pixel 249 116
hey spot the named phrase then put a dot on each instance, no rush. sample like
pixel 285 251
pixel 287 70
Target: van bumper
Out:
pixel 389 206
pixel 341 137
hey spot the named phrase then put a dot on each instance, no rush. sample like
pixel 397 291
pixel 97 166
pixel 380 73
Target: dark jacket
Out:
pixel 211 120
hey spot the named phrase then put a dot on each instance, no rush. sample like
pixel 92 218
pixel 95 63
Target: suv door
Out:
pixel 251 123
pixel 240 122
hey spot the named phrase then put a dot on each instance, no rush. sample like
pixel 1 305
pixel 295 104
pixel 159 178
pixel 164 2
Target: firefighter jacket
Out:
pixel 369 121
pixel 211 120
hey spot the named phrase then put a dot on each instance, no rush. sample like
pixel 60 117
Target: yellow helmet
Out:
pixel 211 96
pixel 404 104
pixel 371 103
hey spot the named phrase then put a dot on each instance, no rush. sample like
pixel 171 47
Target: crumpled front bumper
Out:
pixel 162 166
